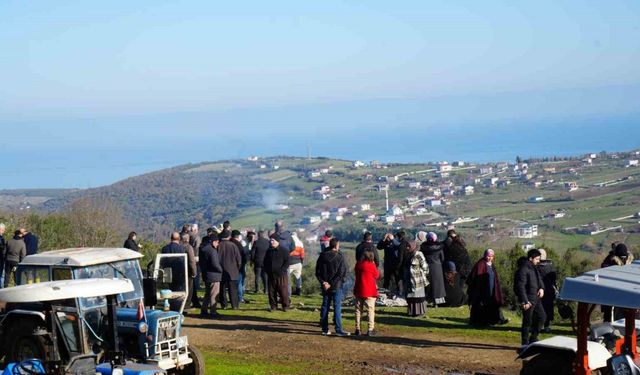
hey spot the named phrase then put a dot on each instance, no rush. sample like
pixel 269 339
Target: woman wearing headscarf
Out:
pixel 421 236
pixel 455 250
pixel 432 251
pixel 453 286
pixel 415 276
pixel 485 293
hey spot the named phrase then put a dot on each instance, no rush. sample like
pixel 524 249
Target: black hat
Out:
pixel 235 233
pixel 213 237
pixel 621 250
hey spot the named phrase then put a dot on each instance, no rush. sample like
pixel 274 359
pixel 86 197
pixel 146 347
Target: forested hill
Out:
pixel 160 201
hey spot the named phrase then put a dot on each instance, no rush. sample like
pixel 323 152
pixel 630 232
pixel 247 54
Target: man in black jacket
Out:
pixel 211 272
pixel 529 290
pixel 367 245
pixel 276 265
pixel 394 248
pixel 331 270
pixel 258 252
pixel 231 260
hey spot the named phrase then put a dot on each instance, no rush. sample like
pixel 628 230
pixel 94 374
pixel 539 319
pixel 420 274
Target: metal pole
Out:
pixel 581 363
pixel 630 332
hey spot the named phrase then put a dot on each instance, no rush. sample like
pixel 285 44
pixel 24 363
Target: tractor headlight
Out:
pixel 143 327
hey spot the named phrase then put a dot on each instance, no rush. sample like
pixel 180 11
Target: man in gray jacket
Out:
pixel 15 251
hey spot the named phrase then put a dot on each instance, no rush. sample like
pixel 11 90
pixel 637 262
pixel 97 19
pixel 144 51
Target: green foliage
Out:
pixel 157 202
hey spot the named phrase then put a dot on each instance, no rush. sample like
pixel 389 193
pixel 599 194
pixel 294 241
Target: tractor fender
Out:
pixel 598 354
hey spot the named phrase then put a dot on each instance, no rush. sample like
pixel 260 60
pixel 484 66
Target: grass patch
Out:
pixel 393 321
pixel 224 363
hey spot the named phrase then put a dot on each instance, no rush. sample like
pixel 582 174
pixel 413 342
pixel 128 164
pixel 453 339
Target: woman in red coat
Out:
pixel 366 290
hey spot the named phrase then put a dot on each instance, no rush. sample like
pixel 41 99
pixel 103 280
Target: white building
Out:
pixel 458 163
pixel 469 190
pixel 395 211
pixel 435 202
pixel 525 231
pixel 358 164
pixel 370 218
pixel 444 167
pixel 486 170
pixel 389 219
pixel 632 163
pixel 571 186
pixel 312 220
pixel 414 185
pixel 365 207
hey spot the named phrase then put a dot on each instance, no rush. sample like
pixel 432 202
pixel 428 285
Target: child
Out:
pixel 366 290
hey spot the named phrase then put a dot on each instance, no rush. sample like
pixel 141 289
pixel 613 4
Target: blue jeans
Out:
pixel 241 277
pixel 328 297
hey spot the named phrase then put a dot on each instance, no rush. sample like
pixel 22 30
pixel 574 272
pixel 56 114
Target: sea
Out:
pixel 87 166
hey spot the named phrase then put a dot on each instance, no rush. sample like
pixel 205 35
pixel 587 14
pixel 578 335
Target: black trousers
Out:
pixel 278 287
pixel 195 300
pixel 394 276
pixel 260 275
pixel 532 321
pixel 9 273
pixel 230 287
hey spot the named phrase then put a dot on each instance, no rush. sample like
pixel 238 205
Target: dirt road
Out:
pixel 286 341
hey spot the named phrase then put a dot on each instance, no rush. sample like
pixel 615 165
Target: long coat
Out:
pixel 435 256
pixel 417 272
pixel 485 294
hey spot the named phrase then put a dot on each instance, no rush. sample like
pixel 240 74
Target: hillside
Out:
pixel 583 201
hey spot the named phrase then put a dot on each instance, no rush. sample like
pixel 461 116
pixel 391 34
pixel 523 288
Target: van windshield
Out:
pixel 126 269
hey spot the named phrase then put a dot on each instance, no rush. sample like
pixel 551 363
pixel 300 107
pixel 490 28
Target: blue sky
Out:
pixel 185 81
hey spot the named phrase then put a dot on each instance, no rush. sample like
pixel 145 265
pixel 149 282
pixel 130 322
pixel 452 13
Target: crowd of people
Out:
pixel 12 251
pixel 423 270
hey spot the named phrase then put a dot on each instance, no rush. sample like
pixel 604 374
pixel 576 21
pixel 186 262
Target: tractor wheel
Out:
pixel 197 366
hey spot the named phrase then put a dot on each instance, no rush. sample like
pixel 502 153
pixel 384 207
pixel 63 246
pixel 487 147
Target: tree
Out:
pixel 95 223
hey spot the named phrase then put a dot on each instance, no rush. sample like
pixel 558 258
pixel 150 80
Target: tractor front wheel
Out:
pixel 197 366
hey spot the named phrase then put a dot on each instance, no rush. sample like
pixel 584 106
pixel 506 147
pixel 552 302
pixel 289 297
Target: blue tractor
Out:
pixel 42 330
pixel 149 317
